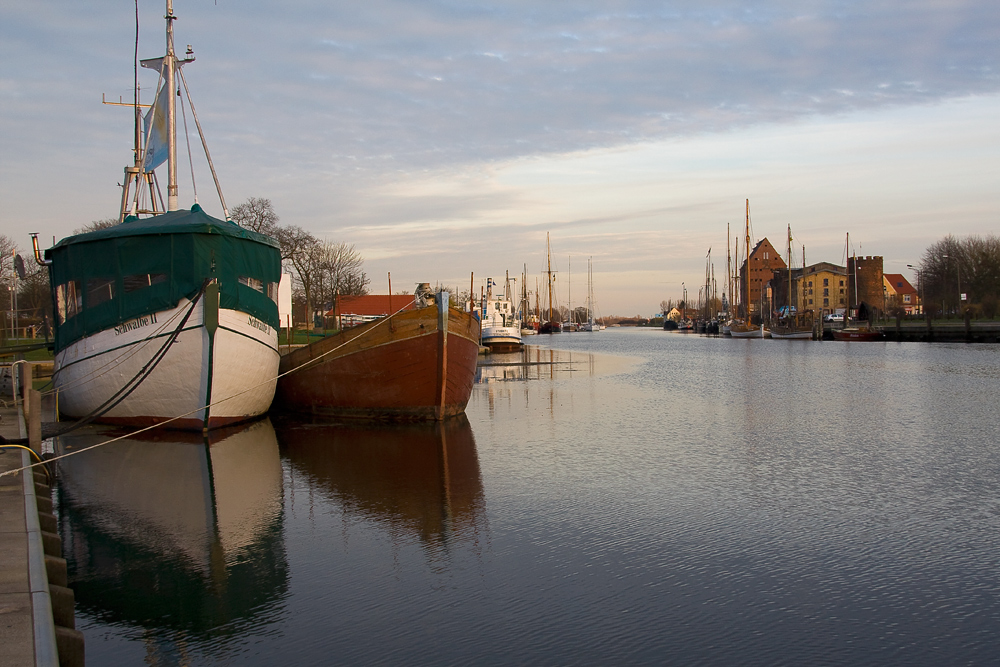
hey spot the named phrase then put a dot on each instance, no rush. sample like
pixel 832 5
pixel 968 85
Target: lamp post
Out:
pixel 920 287
pixel 945 256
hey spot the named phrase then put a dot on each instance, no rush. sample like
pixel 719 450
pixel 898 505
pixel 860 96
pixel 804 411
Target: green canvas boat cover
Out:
pixel 109 277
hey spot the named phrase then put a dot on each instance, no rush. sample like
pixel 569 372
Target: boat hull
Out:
pixel 791 335
pixel 502 339
pixel 416 365
pixel 201 367
pixel 753 332
pixel 858 334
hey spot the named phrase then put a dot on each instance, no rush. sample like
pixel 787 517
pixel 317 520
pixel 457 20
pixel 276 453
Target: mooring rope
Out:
pixel 205 407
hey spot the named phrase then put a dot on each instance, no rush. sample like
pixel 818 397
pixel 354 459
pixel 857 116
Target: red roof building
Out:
pixel 899 292
pixel 353 310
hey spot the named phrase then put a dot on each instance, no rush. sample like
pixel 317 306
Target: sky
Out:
pixel 445 139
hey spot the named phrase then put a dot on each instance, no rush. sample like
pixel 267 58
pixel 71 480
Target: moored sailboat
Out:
pixel 792 325
pixel 742 327
pixel 551 325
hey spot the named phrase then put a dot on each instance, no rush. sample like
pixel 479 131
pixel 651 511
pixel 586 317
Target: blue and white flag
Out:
pixel 156 139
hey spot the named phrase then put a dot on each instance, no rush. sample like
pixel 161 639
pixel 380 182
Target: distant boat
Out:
pixel 590 324
pixel 858 334
pixel 413 365
pixel 500 324
pixel 742 327
pixel 551 326
pixel 741 330
pixel 170 318
pixel 792 325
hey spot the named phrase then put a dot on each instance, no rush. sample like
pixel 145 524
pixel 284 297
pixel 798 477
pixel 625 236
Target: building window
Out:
pixel 906 298
pixel 810 283
pixel 826 302
pixel 826 282
pixel 810 302
pixel 826 291
pixel 841 283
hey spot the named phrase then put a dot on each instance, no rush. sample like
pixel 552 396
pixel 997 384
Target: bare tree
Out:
pixel 96 225
pixel 7 250
pixel 952 267
pixel 341 265
pixel 300 250
pixel 256 214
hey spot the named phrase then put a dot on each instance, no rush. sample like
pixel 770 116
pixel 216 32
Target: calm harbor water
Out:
pixel 629 497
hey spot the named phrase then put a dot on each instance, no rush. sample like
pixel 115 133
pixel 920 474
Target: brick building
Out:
pixel 763 262
pixel 865 284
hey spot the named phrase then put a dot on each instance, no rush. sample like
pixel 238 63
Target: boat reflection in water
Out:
pixel 177 534
pixel 417 479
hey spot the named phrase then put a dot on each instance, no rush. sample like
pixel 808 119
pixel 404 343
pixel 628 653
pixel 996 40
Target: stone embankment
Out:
pixel 37 621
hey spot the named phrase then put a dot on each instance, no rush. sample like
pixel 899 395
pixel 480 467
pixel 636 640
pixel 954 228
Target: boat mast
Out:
pixel 548 252
pixel 790 271
pixel 847 261
pixel 747 260
pixel 729 270
pixel 170 65
pixel 569 269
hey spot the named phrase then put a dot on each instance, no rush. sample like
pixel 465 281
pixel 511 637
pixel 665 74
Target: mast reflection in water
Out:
pixel 177 536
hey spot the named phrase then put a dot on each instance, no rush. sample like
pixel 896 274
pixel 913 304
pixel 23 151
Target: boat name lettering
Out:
pixel 257 324
pixel 135 324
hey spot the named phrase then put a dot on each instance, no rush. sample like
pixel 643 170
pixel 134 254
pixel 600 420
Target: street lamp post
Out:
pixel 920 287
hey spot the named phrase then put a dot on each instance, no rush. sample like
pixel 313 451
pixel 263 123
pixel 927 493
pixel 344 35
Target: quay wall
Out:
pixel 38 625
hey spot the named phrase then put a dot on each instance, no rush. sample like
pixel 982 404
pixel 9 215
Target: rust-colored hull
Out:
pixel 407 367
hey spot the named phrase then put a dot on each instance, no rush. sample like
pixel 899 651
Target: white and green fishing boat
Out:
pixel 171 317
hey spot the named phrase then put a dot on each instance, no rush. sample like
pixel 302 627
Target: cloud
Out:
pixel 421 122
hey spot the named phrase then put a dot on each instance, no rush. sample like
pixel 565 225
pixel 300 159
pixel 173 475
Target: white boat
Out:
pixel 501 326
pixel 169 318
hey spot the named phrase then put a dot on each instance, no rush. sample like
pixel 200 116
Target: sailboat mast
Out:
pixel 729 269
pixel 170 65
pixel 790 270
pixel 747 260
pixel 548 253
pixel 569 282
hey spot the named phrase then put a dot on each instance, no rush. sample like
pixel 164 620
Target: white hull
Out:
pixel 501 336
pixel 195 371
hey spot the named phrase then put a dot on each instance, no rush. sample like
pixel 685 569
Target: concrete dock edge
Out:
pixel 46 649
